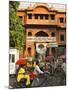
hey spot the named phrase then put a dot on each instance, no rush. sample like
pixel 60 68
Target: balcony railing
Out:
pixel 40 39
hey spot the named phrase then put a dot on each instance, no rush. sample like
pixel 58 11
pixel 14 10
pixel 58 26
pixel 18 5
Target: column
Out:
pixel 50 51
pixel 56 52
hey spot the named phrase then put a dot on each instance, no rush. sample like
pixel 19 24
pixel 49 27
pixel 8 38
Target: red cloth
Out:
pixel 32 76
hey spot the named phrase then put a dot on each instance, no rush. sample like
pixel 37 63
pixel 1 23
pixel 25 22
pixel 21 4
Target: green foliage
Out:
pixel 16 30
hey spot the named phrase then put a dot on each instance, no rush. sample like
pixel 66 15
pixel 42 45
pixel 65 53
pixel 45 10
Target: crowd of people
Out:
pixel 25 75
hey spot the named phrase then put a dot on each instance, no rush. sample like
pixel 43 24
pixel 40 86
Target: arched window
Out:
pixel 29 34
pixel 53 34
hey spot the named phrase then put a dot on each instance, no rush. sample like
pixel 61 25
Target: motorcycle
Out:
pixel 39 80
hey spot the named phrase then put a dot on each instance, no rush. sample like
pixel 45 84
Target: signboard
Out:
pixel 52 45
pixel 41 50
pixel 41 39
pixel 42 47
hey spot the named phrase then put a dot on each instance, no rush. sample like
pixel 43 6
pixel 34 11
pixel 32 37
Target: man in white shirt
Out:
pixel 37 69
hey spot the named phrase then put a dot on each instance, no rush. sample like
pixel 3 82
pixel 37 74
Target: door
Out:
pixel 12 63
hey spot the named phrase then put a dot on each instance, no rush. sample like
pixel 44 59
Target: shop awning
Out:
pixel 52 45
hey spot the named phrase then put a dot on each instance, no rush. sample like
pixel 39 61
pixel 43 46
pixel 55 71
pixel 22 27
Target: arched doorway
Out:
pixel 41 34
pixel 40 44
pixel 29 51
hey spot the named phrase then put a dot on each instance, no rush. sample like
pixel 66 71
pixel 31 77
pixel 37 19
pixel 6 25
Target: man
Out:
pixel 37 69
pixel 37 72
pixel 63 66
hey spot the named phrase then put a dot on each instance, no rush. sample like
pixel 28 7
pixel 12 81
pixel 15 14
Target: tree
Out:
pixel 16 30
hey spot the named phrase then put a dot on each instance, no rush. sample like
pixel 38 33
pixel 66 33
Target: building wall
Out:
pixel 57 27
pixel 42 10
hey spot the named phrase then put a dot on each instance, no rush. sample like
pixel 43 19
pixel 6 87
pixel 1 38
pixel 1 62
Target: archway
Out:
pixel 41 46
pixel 41 34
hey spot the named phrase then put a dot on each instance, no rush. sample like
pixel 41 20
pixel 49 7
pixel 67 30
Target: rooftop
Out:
pixel 50 6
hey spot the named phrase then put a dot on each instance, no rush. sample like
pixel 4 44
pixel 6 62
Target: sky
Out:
pixel 60 7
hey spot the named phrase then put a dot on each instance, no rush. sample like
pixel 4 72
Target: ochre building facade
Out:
pixel 42 21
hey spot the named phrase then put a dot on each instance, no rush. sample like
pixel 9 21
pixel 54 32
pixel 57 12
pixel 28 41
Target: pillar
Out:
pixel 50 52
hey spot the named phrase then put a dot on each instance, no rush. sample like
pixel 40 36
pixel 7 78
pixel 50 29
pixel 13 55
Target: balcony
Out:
pixel 41 22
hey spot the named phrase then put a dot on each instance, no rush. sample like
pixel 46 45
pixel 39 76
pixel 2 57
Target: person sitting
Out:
pixel 23 75
pixel 37 69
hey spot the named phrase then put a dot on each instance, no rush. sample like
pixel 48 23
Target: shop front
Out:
pixel 44 45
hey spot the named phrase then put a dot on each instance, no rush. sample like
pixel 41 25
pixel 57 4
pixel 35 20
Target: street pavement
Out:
pixel 51 81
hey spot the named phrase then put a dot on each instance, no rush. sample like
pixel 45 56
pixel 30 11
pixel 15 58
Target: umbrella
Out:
pixel 49 58
pixel 21 61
